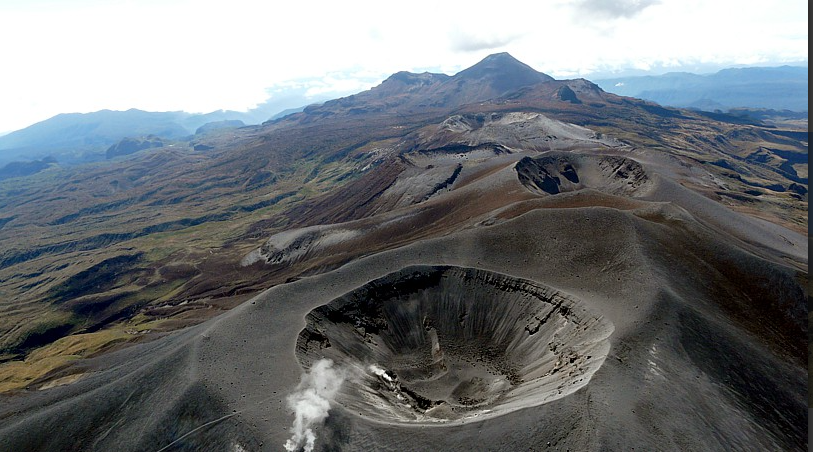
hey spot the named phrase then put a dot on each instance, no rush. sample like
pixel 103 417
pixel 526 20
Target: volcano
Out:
pixel 491 260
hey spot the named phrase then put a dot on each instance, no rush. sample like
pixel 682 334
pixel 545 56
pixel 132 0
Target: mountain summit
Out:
pixel 503 72
pixel 495 76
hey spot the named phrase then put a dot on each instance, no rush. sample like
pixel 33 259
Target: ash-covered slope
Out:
pixel 684 368
pixel 549 266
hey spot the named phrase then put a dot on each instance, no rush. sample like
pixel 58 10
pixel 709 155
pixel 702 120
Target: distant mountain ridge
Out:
pixel 778 88
pixel 75 138
pixel 83 137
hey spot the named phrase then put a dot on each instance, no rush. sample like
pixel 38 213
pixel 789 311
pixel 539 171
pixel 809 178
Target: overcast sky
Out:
pixel 64 56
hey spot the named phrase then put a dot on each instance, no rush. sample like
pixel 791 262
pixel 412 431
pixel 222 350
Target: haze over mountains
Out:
pixel 74 138
pixel 489 260
pixel 777 88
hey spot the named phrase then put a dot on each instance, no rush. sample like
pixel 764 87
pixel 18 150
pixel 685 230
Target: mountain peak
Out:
pixel 500 57
pixel 503 72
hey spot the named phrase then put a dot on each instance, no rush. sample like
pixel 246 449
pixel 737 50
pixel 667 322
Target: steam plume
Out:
pixel 311 403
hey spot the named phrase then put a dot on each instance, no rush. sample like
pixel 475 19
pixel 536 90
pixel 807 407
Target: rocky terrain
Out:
pixel 494 260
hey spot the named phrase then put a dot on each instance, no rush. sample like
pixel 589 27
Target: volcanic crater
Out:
pixel 434 344
pixel 558 172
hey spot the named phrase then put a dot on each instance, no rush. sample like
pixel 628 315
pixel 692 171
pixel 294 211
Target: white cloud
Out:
pixel 473 40
pixel 203 55
pixel 612 9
